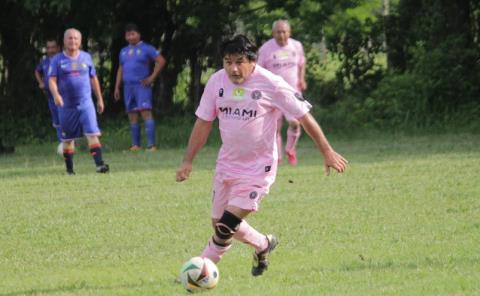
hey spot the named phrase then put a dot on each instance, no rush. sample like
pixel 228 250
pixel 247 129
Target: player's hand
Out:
pixel 100 106
pixel 41 85
pixel 335 161
pixel 148 81
pixel 58 101
pixel 183 171
pixel 302 85
pixel 116 94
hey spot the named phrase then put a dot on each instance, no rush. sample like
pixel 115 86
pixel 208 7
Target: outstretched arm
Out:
pixel 331 158
pixel 198 138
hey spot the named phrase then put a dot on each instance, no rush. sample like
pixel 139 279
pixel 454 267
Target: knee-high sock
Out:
pixel 293 134
pixel 68 156
pixel 135 132
pixel 214 252
pixel 96 152
pixel 249 235
pixel 150 131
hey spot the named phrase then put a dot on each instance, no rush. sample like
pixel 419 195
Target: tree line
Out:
pixel 394 62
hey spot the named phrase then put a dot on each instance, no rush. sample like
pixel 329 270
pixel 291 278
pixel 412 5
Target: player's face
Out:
pixel 281 33
pixel 238 67
pixel 132 37
pixel 72 41
pixel 52 48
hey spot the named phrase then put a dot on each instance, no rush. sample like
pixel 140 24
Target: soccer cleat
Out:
pixel 70 173
pixel 152 148
pixel 260 260
pixel 135 148
pixel 104 168
pixel 292 157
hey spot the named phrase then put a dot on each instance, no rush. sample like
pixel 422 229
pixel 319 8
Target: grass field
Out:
pixel 404 220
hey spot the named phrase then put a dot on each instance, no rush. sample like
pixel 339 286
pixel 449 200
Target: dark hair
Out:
pixel 51 39
pixel 132 27
pixel 239 44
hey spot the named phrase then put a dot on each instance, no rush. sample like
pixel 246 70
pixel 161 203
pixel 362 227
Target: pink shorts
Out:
pixel 244 192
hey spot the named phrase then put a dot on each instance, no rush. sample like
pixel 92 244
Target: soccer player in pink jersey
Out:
pixel 247 100
pixel 284 56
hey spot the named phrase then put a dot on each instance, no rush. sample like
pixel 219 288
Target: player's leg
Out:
pixel 55 119
pixel 224 229
pixel 135 131
pixel 147 117
pixel 130 107
pixel 91 130
pixel 69 119
pixel 144 95
pixel 293 134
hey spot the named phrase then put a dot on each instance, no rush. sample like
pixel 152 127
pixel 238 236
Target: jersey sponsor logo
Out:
pixel 253 195
pixel 74 66
pixel 256 95
pixel 237 113
pixel 220 92
pixel 238 94
pixel 281 55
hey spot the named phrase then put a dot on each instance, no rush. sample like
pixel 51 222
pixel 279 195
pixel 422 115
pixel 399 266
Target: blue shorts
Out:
pixel 54 112
pixel 137 97
pixel 78 121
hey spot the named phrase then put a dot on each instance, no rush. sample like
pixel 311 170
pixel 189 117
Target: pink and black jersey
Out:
pixel 247 115
pixel 282 60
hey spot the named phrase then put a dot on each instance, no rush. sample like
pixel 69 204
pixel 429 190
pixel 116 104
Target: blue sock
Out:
pixel 59 134
pixel 150 131
pixel 135 132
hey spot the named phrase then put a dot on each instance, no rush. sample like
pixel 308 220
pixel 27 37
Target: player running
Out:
pixel 134 72
pixel 71 79
pixel 284 56
pixel 247 100
pixel 41 74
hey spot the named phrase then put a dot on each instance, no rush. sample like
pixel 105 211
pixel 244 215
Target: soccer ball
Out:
pixel 199 274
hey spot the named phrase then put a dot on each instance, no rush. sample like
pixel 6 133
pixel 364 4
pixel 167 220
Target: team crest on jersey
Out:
pixel 84 66
pixel 220 92
pixel 253 195
pixel 139 51
pixel 238 94
pixel 256 95
pixel 299 97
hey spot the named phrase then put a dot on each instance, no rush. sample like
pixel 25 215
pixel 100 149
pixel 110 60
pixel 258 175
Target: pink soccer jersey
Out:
pixel 282 60
pixel 247 116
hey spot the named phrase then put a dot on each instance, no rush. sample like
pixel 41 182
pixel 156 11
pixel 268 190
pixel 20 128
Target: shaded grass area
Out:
pixel 401 221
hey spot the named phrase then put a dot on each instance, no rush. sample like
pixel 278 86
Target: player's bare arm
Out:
pixel 39 79
pixel 197 140
pixel 159 64
pixel 118 83
pixel 302 84
pixel 52 85
pixel 331 158
pixel 98 94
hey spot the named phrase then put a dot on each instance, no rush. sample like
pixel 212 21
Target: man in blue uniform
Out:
pixel 41 74
pixel 135 73
pixel 72 77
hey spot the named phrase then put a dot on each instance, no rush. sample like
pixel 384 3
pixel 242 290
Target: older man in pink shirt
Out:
pixel 247 100
pixel 284 56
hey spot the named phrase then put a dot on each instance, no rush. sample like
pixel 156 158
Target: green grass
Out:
pixel 402 221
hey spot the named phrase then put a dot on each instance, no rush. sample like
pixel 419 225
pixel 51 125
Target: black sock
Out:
pixel 96 152
pixel 68 156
